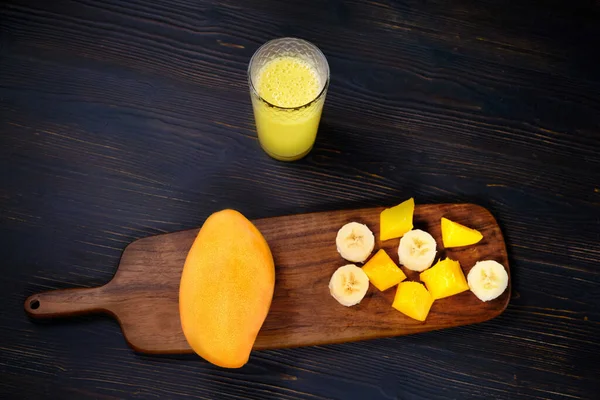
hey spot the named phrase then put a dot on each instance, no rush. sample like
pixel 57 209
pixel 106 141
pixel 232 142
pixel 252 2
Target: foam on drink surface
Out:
pixel 288 82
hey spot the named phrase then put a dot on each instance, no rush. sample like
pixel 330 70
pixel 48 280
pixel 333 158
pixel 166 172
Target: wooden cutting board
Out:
pixel 143 294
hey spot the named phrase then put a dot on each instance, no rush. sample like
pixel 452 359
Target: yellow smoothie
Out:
pixel 287 133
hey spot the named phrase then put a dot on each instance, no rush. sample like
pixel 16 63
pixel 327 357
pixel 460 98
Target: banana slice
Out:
pixel 348 285
pixel 355 242
pixel 417 250
pixel 487 280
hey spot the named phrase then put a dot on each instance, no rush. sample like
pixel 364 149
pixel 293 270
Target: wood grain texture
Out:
pixel 125 119
pixel 144 293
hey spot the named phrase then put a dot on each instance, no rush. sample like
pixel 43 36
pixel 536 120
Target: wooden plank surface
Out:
pixel 144 293
pixel 125 119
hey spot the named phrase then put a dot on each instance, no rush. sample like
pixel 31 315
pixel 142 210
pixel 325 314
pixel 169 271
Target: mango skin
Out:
pixel 226 289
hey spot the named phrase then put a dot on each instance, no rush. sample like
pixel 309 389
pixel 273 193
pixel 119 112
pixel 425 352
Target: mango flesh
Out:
pixel 413 300
pixel 444 279
pixel 382 271
pixel 396 221
pixel 226 289
pixel 456 235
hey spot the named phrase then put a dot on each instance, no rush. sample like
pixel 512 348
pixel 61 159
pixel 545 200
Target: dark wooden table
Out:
pixel 124 119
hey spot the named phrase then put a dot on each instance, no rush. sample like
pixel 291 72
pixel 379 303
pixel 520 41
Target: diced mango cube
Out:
pixel 455 234
pixel 444 279
pixel 396 221
pixel 383 271
pixel 413 299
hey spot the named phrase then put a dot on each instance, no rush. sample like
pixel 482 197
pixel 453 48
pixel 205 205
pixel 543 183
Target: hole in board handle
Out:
pixel 34 304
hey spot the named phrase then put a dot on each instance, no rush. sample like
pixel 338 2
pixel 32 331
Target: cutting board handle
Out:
pixel 68 302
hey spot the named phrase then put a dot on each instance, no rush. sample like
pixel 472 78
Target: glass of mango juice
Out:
pixel 288 79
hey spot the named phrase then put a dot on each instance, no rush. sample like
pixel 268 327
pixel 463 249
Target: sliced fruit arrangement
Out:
pixel 413 299
pixel 355 242
pixel 445 279
pixel 417 250
pixel 456 235
pixel 487 280
pixel 383 272
pixel 396 221
pixel 348 285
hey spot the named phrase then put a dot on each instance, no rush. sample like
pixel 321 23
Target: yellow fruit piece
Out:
pixel 226 289
pixel 455 234
pixel 396 221
pixel 413 299
pixel 383 271
pixel 444 279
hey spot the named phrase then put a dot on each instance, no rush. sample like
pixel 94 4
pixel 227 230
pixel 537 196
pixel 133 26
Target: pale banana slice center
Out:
pixel 350 284
pixel 355 240
pixel 489 280
pixel 419 247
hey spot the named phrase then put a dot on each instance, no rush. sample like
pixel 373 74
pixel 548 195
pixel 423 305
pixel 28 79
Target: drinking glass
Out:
pixel 287 133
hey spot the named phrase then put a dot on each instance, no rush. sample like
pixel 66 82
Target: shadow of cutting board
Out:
pixel 143 294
